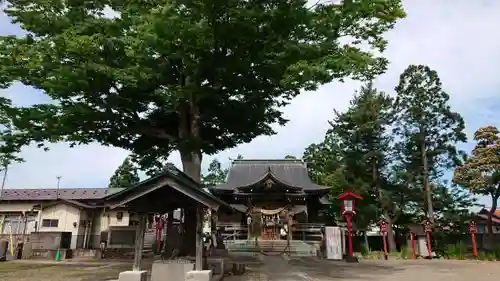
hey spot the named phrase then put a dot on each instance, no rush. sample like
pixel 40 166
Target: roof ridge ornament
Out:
pixel 269 183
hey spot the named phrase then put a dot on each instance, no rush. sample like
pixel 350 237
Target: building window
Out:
pixel 50 223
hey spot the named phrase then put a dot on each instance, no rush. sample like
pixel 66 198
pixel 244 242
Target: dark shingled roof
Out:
pixel 170 171
pixel 288 172
pixel 51 194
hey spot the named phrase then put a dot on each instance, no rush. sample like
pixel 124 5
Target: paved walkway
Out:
pixel 312 269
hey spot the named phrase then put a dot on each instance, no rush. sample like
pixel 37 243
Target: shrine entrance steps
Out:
pixel 274 247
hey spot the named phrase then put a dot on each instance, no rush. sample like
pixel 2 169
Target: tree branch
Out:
pixel 156 133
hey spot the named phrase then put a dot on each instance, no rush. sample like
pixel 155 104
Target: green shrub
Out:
pixel 364 250
pixel 491 256
pixel 405 253
pixel 456 251
pixel 482 256
pixel 496 252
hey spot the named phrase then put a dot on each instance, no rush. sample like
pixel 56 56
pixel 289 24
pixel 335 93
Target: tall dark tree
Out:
pixel 363 136
pixel 324 162
pixel 125 176
pixel 481 171
pixel 452 205
pixel 197 77
pixel 427 130
pixel 215 174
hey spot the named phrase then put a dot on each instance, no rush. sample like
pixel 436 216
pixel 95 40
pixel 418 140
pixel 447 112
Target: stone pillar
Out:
pixel 199 238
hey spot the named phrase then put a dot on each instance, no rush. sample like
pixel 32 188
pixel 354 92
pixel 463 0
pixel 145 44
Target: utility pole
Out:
pixel 58 182
pixel 5 169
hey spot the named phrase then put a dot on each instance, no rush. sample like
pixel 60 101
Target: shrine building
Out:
pixel 271 188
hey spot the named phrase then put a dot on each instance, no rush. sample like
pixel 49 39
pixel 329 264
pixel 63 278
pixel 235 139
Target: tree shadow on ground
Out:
pixel 323 269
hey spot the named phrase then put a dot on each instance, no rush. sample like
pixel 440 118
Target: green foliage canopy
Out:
pixel 480 172
pixel 198 76
pixel 427 129
pixel 215 174
pixel 125 176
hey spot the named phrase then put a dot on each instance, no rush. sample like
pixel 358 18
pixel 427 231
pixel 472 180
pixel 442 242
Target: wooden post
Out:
pixel 199 239
pixel 289 234
pixel 139 242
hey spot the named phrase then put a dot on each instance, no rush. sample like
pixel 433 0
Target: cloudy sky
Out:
pixel 454 37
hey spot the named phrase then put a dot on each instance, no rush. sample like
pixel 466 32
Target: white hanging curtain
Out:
pixel 272 211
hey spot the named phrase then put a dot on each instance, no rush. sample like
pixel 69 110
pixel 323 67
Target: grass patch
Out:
pixel 12 271
pixel 9 267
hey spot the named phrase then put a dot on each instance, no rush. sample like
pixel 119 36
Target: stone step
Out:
pixel 297 247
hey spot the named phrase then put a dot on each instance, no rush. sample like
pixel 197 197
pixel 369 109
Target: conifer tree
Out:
pixel 427 130
pixel 125 176
pixel 365 144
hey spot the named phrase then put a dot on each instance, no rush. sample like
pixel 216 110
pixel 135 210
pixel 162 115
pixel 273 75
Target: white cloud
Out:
pixel 456 38
pixel 452 37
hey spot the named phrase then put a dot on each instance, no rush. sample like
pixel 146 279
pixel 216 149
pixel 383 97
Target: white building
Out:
pixel 23 211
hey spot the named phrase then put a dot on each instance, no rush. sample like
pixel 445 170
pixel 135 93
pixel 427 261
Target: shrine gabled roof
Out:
pixel 288 172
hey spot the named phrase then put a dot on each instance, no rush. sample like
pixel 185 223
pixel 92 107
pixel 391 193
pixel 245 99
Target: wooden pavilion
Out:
pixel 169 190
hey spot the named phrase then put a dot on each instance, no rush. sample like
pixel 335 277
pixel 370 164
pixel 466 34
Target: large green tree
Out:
pixel 325 167
pixel 197 77
pixel 125 176
pixel 8 150
pixel 481 171
pixel 427 130
pixel 362 133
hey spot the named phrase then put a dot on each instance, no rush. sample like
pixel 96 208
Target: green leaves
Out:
pixel 201 76
pixel 125 176
pixel 427 129
pixel 480 172
pixel 216 174
pixel 354 154
pixel 394 151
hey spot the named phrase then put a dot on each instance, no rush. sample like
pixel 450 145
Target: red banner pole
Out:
pixel 349 234
pixel 158 239
pixel 413 250
pixel 429 246
pixel 474 246
pixel 384 241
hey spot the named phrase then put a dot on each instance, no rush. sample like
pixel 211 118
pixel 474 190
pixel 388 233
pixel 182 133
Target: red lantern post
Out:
pixel 348 210
pixel 383 232
pixel 473 231
pixel 427 225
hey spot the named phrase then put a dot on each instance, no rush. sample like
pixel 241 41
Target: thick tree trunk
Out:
pixel 391 239
pixel 425 175
pixel 191 163
pixel 390 233
pixel 189 136
pixel 172 238
pixel 213 221
pixel 494 199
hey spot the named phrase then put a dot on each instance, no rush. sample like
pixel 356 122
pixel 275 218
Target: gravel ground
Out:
pixel 273 269
pixel 311 269
pixel 46 271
